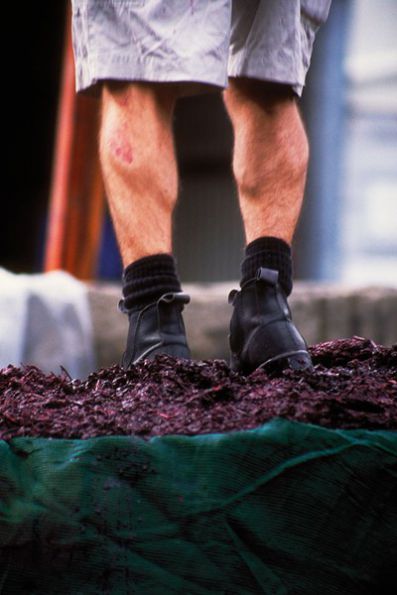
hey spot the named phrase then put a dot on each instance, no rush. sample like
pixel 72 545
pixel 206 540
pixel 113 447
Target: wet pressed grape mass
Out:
pixel 353 385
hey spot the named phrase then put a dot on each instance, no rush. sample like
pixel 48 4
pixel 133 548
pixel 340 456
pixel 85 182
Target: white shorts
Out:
pixel 195 41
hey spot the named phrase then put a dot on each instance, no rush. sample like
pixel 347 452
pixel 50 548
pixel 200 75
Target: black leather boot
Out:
pixel 262 334
pixel 156 328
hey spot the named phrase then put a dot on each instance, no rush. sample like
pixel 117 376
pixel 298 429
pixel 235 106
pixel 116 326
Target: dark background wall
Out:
pixel 30 86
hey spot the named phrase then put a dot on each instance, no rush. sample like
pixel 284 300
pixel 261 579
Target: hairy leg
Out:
pixel 139 167
pixel 270 156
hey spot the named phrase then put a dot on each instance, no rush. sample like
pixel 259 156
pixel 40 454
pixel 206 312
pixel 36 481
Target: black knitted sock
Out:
pixel 271 253
pixel 147 279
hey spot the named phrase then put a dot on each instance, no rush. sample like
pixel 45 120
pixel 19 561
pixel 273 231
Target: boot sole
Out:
pixel 275 363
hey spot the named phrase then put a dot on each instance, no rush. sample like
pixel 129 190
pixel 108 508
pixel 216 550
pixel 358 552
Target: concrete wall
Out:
pixel 321 311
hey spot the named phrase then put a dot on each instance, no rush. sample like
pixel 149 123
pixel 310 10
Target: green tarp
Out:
pixel 285 508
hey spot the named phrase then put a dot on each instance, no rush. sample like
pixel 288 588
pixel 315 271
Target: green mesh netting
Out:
pixel 285 508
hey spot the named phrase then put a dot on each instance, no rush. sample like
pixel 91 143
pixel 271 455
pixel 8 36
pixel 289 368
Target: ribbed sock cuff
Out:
pixel 272 253
pixel 148 278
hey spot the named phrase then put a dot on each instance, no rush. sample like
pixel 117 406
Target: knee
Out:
pixel 132 97
pixel 136 142
pixel 136 119
pixel 270 139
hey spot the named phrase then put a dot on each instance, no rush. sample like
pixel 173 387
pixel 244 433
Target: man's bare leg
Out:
pixel 138 164
pixel 140 175
pixel 269 163
pixel 270 157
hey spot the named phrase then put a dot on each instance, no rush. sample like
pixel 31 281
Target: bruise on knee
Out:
pixel 120 147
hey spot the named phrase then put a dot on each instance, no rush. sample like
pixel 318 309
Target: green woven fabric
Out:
pixel 286 508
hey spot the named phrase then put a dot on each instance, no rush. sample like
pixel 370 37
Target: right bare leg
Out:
pixel 139 166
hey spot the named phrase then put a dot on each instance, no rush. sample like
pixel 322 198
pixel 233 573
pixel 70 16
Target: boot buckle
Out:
pixel 179 297
pixel 269 276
